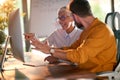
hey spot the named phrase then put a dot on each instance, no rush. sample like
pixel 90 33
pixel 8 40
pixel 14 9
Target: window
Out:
pixel 117 5
pixel 100 8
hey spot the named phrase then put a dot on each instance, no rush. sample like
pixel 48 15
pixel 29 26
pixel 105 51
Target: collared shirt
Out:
pixel 60 38
pixel 95 50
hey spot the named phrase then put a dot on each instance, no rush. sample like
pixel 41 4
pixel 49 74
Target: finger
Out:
pixel 46 42
pixel 48 57
pixel 29 34
pixel 45 59
pixel 35 44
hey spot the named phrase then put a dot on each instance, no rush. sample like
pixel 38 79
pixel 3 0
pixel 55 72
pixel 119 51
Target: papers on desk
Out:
pixel 35 59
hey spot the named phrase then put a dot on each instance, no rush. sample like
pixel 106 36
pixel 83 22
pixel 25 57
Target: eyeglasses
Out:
pixel 62 18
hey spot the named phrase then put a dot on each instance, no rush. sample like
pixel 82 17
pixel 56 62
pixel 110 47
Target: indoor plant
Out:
pixel 5 8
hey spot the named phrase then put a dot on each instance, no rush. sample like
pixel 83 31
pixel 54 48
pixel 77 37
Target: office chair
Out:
pixel 111 21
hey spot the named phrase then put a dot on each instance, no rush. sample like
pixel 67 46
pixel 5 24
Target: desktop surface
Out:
pixel 46 72
pixel 61 71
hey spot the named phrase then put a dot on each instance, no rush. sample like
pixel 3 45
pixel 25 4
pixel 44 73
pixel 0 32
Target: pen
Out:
pixel 29 65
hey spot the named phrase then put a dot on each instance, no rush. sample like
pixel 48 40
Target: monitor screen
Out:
pixel 16 33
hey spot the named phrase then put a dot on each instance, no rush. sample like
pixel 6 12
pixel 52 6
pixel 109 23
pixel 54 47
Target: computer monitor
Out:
pixel 17 42
pixel 16 35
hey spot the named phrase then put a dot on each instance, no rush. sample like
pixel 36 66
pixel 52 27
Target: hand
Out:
pixel 30 36
pixel 36 43
pixel 51 59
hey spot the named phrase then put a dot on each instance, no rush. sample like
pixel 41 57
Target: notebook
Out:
pixel 35 58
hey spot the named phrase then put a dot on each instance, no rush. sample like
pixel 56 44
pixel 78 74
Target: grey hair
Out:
pixel 65 10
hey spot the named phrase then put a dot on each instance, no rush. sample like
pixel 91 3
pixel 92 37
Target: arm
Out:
pixel 49 40
pixel 44 47
pixel 61 54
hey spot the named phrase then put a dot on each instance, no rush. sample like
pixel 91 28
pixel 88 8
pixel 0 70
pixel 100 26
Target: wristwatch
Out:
pixel 52 50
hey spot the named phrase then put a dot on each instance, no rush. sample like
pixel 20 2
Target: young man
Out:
pixel 94 51
pixel 67 34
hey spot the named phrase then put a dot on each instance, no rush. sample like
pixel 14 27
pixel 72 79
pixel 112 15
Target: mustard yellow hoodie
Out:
pixel 95 50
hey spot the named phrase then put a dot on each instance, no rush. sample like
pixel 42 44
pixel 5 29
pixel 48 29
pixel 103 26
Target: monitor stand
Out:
pixel 4 54
pixel 3 59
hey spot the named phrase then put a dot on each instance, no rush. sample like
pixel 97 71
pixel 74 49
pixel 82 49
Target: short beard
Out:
pixel 80 26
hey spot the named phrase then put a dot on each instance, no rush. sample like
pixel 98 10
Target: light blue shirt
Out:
pixel 60 38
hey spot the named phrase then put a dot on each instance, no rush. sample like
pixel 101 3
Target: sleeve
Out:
pixel 50 39
pixel 73 46
pixel 90 47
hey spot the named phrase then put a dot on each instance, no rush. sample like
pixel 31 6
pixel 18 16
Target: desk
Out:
pixel 60 71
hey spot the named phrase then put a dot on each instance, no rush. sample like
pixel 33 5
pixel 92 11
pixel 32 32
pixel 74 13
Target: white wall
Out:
pixel 43 15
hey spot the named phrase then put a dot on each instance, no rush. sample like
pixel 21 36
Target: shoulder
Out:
pixel 57 32
pixel 101 26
